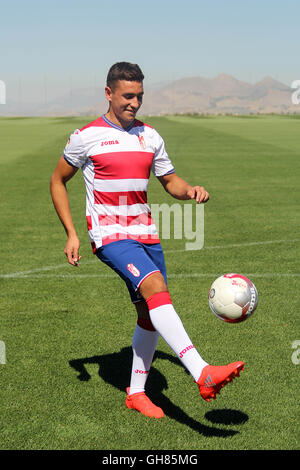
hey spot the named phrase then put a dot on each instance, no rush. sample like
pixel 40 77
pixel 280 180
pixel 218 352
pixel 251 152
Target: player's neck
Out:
pixel 113 118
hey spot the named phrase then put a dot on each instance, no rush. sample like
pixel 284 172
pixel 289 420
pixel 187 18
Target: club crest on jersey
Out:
pixel 142 141
pixel 133 270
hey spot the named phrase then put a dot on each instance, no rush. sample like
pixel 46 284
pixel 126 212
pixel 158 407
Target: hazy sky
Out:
pixel 48 46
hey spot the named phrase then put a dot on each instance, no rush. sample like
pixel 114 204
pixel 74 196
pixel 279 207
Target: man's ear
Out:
pixel 108 93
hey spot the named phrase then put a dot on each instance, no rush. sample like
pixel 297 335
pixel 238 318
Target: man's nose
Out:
pixel 135 103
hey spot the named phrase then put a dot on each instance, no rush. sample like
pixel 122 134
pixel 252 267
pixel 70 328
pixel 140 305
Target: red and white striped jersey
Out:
pixel 116 165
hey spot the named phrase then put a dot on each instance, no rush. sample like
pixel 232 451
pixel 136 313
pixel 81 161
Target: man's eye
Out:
pixel 129 97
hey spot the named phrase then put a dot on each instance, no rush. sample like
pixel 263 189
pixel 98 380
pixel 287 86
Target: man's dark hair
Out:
pixel 124 71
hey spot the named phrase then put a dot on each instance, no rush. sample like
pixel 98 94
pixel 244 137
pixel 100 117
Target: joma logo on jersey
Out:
pixel 109 142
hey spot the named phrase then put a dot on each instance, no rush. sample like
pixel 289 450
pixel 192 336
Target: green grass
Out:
pixel 68 332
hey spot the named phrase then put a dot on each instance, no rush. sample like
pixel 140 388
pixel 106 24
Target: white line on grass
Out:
pixel 31 272
pixel 170 276
pixel 236 245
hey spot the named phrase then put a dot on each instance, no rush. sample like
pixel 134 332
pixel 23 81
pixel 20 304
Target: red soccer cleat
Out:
pixel 140 402
pixel 213 378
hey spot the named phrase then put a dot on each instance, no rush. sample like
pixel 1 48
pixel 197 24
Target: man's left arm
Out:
pixel 180 189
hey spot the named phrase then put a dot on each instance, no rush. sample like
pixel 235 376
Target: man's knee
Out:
pixel 153 284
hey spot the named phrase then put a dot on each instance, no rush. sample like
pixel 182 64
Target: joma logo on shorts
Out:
pixel 109 142
pixel 185 350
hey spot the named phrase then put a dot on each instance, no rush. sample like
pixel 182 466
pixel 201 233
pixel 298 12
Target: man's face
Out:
pixel 125 100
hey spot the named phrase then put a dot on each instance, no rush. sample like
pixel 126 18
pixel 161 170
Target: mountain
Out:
pixel 219 95
pixel 79 102
pixel 222 94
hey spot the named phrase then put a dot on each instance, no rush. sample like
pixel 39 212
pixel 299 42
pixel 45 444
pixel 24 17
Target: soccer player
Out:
pixel 116 154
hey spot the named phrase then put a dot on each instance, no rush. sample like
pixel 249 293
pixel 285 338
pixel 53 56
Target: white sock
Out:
pixel 166 321
pixel 143 346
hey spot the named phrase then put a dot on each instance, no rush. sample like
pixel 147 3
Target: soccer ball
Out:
pixel 232 298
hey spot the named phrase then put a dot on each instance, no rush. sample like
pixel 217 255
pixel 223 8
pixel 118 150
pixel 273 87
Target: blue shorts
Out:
pixel 133 261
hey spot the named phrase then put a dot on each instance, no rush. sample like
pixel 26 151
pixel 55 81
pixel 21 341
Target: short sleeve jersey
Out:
pixel 116 164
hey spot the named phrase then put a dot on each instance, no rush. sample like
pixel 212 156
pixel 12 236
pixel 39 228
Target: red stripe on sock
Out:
pixel 146 324
pixel 156 300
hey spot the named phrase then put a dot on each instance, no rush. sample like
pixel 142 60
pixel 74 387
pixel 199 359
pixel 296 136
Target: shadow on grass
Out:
pixel 115 369
pixel 226 416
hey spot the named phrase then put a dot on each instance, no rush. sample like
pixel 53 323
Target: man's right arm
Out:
pixel 63 173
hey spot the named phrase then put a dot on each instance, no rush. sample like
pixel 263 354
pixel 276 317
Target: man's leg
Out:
pixel 133 264
pixel 165 320
pixel 143 347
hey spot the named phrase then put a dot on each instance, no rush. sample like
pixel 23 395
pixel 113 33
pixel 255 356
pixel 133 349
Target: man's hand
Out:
pixel 198 193
pixel 180 189
pixel 72 250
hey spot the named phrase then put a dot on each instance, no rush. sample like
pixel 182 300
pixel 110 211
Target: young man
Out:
pixel 116 153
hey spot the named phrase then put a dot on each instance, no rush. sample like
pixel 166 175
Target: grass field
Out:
pixel 67 332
